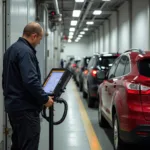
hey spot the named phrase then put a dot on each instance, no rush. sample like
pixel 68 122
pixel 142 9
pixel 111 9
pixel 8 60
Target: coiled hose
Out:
pixel 57 100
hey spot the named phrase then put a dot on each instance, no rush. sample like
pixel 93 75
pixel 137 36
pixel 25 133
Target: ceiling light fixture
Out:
pixel 72 29
pixel 70 36
pixel 82 32
pixel 69 41
pixel 106 0
pixel 76 41
pixel 74 22
pixel 85 29
pixel 97 12
pixel 76 13
pixel 89 22
pixel 79 1
pixel 80 35
pixel 71 33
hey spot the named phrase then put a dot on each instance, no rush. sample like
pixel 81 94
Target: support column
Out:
pixel 149 25
pixel 130 23
pixel 118 28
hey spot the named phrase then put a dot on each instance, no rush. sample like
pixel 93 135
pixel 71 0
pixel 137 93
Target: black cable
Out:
pixel 65 111
pixel 58 100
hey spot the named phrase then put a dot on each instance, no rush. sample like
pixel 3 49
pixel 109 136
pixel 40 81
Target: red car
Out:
pixel 124 98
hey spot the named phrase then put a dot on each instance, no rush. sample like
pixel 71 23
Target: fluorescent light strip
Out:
pixel 69 41
pixel 74 22
pixel 89 22
pixel 70 36
pixel 85 29
pixel 97 12
pixel 80 35
pixel 76 13
pixel 79 1
pixel 72 29
pixel 82 32
pixel 71 33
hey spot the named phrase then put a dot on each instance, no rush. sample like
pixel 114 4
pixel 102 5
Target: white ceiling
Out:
pixel 66 8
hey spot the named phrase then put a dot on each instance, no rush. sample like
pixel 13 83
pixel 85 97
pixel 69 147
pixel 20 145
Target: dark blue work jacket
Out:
pixel 21 78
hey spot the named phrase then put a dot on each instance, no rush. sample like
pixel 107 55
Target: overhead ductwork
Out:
pixel 59 16
pixel 86 12
pixel 56 7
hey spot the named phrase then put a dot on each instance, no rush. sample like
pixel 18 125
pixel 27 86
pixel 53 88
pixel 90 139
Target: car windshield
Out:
pixel 144 67
pixel 87 60
pixel 106 62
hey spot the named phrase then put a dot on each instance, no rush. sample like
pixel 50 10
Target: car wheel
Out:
pixel 84 93
pixel 101 120
pixel 91 101
pixel 80 86
pixel 118 143
pixel 77 83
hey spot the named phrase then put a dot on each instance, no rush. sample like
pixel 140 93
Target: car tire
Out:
pixel 90 100
pixel 84 93
pixel 77 83
pixel 80 86
pixel 101 120
pixel 117 142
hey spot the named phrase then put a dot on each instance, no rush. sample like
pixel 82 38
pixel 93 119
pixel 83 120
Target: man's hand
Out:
pixel 50 102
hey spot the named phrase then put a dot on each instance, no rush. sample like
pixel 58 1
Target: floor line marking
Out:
pixel 92 138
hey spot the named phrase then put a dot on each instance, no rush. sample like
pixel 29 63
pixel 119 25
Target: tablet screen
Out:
pixel 52 81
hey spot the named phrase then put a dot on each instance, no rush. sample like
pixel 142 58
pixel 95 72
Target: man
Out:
pixel 23 93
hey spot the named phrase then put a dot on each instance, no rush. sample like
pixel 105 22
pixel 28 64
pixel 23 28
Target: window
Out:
pixel 91 62
pixel 81 63
pixel 121 67
pixel 95 61
pixel 107 61
pixel 127 68
pixel 87 60
pixel 113 68
pixel 144 67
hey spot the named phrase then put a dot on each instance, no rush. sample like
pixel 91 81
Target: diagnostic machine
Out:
pixel 55 84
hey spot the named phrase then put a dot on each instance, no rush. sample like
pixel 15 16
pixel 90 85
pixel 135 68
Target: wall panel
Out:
pixel 106 36
pixel 79 49
pixel 1 66
pixel 124 35
pixel 140 24
pixel 113 32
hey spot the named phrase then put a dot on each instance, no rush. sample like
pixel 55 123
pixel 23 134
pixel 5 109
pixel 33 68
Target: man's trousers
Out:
pixel 26 130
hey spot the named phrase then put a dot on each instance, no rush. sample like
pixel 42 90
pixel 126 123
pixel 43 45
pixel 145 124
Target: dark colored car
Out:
pixel 124 98
pixel 68 63
pixel 90 80
pixel 79 72
pixel 73 66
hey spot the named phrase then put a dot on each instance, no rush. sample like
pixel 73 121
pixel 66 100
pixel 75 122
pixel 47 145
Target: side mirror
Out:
pixel 101 75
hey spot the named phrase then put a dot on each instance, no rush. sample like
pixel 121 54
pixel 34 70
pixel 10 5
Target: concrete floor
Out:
pixel 72 134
